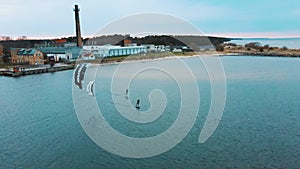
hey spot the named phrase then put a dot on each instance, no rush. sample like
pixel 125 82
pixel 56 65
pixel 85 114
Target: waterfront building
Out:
pixel 63 51
pixel 1 50
pixel 181 49
pixel 29 56
pixel 150 47
pixel 154 48
pixel 88 56
pixel 160 48
pixel 110 51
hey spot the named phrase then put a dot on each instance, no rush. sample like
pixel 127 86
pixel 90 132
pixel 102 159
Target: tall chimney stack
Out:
pixel 78 33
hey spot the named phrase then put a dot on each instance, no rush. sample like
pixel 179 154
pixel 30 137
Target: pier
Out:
pixel 12 72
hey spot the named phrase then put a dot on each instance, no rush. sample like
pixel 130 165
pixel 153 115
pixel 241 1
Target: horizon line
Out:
pixel 260 35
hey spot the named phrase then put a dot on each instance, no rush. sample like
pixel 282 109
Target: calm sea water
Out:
pixel 292 43
pixel 260 126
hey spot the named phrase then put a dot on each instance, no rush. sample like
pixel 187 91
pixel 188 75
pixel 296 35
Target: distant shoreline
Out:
pixel 135 59
pixel 294 54
pixel 219 54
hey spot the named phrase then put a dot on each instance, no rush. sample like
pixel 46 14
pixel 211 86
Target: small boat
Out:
pixel 90 88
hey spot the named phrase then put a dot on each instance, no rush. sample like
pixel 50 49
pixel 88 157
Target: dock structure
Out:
pixel 38 70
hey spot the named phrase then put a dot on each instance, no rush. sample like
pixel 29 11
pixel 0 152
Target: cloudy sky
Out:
pixel 54 18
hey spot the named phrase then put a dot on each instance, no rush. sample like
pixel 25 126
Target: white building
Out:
pixel 109 50
pixel 88 56
pixel 160 48
pixel 150 47
pixel 154 48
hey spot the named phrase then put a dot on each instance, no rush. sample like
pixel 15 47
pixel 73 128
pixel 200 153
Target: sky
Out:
pixel 228 18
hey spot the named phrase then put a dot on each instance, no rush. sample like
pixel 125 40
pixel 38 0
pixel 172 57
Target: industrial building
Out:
pixel 110 50
pixel 27 56
pixel 65 51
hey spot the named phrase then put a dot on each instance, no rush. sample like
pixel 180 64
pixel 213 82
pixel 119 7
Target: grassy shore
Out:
pixel 261 51
pixel 148 56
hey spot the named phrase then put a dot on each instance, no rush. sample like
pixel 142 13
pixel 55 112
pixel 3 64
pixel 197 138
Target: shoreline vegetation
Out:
pixel 255 49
